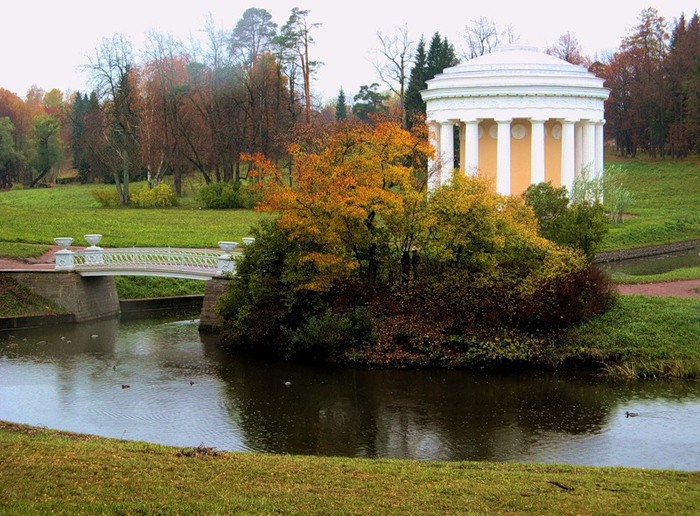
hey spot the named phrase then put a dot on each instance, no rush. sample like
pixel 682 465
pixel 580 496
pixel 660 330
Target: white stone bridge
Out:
pixel 198 264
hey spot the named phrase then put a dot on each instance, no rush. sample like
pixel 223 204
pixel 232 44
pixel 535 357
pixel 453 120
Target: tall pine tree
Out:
pixel 341 109
pixel 413 102
pixel 441 55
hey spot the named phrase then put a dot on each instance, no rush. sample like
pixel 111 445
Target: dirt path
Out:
pixel 44 261
pixel 682 288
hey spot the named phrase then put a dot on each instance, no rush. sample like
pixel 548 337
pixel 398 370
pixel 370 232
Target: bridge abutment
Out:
pixel 86 298
pixel 209 320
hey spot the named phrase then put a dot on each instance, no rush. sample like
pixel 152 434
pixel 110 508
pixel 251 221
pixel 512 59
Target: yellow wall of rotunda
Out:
pixel 520 155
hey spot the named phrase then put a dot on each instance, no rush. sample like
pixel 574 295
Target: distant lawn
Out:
pixel 40 215
pixel 21 251
pixel 666 205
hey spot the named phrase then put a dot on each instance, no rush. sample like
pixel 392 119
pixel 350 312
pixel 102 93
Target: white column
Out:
pixel 599 148
pixel 447 148
pixel 503 158
pixel 472 147
pixel 433 164
pixel 463 148
pixel 578 129
pixel 589 147
pixel 537 152
pixel 568 155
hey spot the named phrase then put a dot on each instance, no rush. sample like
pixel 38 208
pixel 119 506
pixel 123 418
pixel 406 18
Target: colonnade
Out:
pixel 580 145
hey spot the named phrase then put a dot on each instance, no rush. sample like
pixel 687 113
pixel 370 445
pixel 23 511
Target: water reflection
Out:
pixel 184 389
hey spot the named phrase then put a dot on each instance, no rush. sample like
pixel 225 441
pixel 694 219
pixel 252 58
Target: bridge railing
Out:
pixel 93 257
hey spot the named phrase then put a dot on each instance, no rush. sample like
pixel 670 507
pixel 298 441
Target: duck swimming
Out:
pixel 631 414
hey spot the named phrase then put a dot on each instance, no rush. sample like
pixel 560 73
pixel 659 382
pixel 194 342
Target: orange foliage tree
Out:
pixel 355 196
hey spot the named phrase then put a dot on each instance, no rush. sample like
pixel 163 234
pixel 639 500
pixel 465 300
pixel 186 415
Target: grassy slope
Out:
pixel 49 472
pixel 666 205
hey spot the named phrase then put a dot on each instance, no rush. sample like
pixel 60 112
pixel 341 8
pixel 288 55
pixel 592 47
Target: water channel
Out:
pixel 160 381
pixel 657 264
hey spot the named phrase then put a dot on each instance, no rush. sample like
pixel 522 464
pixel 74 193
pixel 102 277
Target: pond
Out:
pixel 161 381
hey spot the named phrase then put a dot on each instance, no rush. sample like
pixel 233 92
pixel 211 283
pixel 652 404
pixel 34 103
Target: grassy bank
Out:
pixel 18 301
pixel 641 337
pixel 687 273
pixel 42 472
pixel 665 206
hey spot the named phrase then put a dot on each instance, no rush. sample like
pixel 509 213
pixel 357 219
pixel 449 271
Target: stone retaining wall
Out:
pixel 641 252
pixel 86 299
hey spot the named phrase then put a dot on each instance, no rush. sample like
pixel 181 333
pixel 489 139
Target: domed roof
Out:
pixel 515 70
pixel 515 58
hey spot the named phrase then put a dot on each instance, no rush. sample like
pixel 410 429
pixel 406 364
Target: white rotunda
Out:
pixel 522 116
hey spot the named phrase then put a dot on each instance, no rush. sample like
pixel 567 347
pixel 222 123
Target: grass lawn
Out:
pixel 641 337
pixel 39 215
pixel 686 273
pixel 666 204
pixel 47 472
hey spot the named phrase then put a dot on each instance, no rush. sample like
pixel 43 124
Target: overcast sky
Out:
pixel 46 43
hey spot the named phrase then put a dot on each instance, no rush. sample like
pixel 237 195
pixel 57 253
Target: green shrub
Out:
pixel 330 334
pixel 233 194
pixel 160 196
pixel 106 197
pixel 581 225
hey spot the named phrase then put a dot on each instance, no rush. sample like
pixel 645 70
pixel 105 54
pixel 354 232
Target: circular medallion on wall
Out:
pixel 556 131
pixel 493 131
pixel 518 131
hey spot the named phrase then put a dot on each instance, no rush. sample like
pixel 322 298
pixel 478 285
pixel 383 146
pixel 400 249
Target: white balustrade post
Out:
pixel 93 253
pixel 64 259
pixel 225 263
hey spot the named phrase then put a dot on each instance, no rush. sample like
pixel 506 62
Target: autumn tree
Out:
pixel 348 188
pixel 14 108
pixel 683 71
pixel 8 154
pixel 568 48
pixel 112 71
pixel 636 75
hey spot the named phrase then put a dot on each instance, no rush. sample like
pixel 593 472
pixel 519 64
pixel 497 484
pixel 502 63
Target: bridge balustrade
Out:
pixel 175 262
